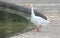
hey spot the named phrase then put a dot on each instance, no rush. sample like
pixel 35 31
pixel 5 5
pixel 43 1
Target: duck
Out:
pixel 37 20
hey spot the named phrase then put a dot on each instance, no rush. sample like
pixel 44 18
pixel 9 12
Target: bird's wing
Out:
pixel 41 19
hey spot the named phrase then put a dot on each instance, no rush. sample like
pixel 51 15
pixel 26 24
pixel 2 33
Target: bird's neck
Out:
pixel 32 12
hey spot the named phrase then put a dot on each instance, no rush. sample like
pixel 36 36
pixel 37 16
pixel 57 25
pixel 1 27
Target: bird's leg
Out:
pixel 38 29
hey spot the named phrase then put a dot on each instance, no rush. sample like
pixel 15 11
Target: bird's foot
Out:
pixel 37 30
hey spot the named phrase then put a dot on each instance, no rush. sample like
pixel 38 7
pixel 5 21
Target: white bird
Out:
pixel 36 20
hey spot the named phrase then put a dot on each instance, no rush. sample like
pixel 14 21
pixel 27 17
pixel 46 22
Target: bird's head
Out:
pixel 31 5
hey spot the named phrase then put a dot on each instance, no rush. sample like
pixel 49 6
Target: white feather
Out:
pixel 36 20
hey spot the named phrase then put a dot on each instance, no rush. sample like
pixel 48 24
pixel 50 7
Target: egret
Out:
pixel 37 20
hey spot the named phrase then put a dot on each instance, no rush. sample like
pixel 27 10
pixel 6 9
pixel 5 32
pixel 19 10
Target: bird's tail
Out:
pixel 48 22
